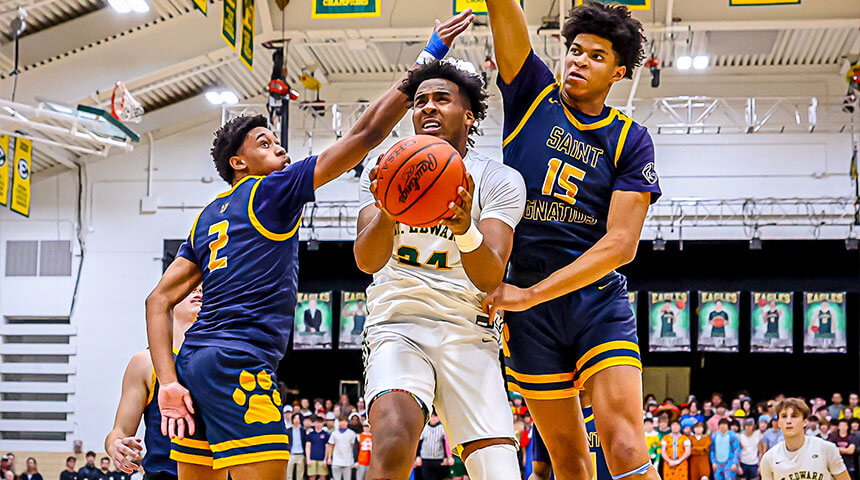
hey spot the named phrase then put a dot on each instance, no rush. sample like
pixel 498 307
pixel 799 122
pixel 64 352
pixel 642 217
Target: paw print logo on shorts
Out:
pixel 262 407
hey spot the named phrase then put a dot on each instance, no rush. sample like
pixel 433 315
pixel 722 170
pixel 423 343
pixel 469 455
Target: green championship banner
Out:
pixel 479 7
pixel 353 313
pixel 824 322
pixel 719 321
pixel 630 4
pixel 669 321
pixel 346 8
pixel 747 3
pixel 632 297
pixel 228 23
pixel 771 322
pixel 21 179
pixel 312 327
pixel 4 170
pixel 201 5
pixel 247 51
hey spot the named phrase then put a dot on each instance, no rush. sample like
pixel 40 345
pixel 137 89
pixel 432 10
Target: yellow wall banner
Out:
pixel 4 170
pixel 745 3
pixel 247 52
pixel 345 8
pixel 228 23
pixel 479 7
pixel 201 5
pixel 21 179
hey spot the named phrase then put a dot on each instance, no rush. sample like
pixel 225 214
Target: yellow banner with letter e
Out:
pixel 201 5
pixel 4 170
pixel 346 8
pixel 21 179
pixel 479 7
pixel 247 51
pixel 228 23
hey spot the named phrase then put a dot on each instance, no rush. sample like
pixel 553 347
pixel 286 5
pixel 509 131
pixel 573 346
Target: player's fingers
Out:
pixel 465 195
pixel 457 210
pixel 188 403
pixel 373 172
pixel 485 303
pixel 163 424
pixel 462 26
pixel 191 425
pixel 180 425
pixel 470 183
pixel 171 427
pixel 373 185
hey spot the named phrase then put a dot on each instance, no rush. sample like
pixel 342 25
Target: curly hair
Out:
pixel 613 23
pixel 228 141
pixel 471 84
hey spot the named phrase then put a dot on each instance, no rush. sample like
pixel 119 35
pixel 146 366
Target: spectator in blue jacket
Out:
pixel 725 452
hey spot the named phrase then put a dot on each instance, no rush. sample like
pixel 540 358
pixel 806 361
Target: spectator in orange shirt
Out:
pixel 365 445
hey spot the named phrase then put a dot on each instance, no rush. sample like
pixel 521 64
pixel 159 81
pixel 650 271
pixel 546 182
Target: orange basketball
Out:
pixel 762 302
pixel 417 178
pixel 681 304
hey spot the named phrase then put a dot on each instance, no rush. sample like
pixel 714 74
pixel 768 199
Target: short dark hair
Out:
pixel 648 420
pixel 317 418
pixel 470 84
pixel 68 459
pixel 228 141
pixel 91 454
pixel 103 459
pixel 724 421
pixel 845 421
pixel 674 422
pixel 613 23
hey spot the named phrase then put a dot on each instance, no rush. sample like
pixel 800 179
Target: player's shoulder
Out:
pixel 140 367
pixel 491 170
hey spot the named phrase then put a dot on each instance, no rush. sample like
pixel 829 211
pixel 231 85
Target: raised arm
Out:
pixel 378 120
pixel 511 43
pixel 120 442
pixel 179 280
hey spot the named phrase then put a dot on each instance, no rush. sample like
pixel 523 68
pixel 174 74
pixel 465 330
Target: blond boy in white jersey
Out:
pixel 427 342
pixel 801 457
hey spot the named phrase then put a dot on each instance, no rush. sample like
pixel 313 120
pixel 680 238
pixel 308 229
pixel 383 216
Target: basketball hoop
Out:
pixel 123 106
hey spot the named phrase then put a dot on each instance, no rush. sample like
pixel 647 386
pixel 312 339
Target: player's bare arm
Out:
pixel 510 36
pixel 121 444
pixel 627 212
pixel 840 476
pixel 174 400
pixel 378 120
pixel 485 265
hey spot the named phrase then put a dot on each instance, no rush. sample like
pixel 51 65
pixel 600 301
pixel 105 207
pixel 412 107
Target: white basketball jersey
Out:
pixel 817 459
pixel 424 275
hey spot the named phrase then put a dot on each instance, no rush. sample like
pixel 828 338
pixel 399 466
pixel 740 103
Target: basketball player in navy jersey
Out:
pixel 221 390
pixel 139 398
pixel 590 176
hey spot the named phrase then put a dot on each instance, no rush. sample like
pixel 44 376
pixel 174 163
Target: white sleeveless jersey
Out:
pixel 817 459
pixel 424 276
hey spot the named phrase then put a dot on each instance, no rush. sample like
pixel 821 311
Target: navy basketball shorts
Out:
pixel 237 409
pixel 552 349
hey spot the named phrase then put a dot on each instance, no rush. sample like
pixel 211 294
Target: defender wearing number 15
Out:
pixel 590 177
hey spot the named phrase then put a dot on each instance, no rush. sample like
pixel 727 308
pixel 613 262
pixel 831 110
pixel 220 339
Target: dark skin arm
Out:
pixel 627 212
pixel 510 36
pixel 378 120
pixel 179 280
pixel 485 266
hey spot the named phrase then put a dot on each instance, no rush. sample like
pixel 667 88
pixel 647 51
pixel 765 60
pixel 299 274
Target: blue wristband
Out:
pixel 435 49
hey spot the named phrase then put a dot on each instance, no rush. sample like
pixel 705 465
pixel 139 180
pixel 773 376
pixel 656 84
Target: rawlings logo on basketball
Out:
pixel 411 176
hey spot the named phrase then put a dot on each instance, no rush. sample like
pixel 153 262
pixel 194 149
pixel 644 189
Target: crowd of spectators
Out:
pixel 724 439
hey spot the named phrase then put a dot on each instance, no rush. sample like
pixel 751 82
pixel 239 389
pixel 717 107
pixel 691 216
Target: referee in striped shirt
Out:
pixel 434 456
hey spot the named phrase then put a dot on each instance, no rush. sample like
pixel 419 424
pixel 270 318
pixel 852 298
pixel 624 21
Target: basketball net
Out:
pixel 123 106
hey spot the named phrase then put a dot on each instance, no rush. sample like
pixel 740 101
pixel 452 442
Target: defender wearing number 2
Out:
pixel 589 172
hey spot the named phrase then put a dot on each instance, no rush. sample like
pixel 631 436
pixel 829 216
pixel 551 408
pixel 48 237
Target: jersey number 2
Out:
pixel 564 180
pixel 216 262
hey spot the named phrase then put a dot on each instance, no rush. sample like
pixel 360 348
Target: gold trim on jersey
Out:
pixel 250 442
pixel 589 372
pixel 605 347
pixel 194 227
pixel 191 443
pixel 544 394
pixel 540 378
pixel 152 388
pixel 622 139
pixel 190 458
pixel 234 187
pixel 589 126
pixel 278 237
pixel 529 113
pixel 252 457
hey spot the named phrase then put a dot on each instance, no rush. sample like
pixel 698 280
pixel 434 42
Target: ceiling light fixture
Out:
pixel 684 62
pixel 701 62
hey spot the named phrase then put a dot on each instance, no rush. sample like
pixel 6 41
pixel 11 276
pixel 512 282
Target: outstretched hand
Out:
pixel 449 29
pixel 508 298
pixel 174 401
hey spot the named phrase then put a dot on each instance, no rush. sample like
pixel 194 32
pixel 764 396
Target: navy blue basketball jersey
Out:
pixel 571 163
pixel 246 245
pixel 598 460
pixel 157 458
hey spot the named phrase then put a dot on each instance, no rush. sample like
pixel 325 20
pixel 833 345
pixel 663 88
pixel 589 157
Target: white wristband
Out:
pixel 471 240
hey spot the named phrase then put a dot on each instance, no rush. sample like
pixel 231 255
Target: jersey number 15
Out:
pixel 568 171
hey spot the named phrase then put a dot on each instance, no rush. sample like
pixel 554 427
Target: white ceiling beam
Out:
pixel 265 16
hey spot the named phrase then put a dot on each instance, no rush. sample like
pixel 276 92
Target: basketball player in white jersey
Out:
pixel 801 457
pixel 427 342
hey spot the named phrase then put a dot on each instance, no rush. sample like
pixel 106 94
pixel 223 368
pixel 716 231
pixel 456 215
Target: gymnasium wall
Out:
pixel 123 247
